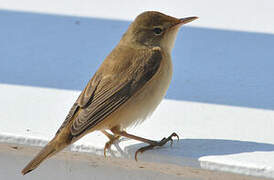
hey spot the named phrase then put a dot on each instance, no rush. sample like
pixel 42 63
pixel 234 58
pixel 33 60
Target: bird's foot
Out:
pixel 109 143
pixel 157 143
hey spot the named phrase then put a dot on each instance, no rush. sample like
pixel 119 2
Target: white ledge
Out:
pixel 212 137
pixel 248 15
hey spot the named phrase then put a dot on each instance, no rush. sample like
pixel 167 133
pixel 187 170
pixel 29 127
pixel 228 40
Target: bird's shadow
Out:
pixel 189 149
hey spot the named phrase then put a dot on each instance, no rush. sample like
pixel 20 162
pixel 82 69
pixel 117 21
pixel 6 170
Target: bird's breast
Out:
pixel 145 101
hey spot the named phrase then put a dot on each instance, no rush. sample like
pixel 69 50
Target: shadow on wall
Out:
pixel 197 148
pixel 212 66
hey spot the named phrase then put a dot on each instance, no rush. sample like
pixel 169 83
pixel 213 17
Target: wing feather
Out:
pixel 104 94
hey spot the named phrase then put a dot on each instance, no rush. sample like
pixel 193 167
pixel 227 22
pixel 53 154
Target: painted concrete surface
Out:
pixel 67 165
pixel 220 101
pixel 213 137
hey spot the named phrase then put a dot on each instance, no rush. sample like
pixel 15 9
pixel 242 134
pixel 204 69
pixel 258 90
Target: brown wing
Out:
pixel 104 94
pixel 83 100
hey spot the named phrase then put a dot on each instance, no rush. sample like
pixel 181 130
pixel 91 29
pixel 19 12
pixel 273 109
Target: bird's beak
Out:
pixel 187 20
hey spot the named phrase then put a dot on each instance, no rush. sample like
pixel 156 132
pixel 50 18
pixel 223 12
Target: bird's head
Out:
pixel 153 28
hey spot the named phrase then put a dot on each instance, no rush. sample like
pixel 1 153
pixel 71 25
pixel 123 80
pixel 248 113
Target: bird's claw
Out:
pixel 107 146
pixel 159 143
pixel 109 143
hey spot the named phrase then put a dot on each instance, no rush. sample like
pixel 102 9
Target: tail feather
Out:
pixel 50 149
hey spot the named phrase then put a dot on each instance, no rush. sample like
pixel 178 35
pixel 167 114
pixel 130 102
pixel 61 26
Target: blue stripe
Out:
pixel 212 66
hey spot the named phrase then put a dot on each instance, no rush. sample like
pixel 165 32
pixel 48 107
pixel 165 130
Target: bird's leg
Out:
pixel 112 138
pixel 151 143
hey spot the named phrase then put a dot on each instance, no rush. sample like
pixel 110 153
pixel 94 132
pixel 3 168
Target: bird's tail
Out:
pixel 50 149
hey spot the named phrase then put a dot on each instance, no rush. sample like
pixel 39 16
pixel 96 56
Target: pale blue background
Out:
pixel 211 66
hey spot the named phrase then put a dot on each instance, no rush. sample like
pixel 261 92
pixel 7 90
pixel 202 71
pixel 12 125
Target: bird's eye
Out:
pixel 157 30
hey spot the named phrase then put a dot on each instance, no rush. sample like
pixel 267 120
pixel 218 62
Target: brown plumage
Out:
pixel 127 87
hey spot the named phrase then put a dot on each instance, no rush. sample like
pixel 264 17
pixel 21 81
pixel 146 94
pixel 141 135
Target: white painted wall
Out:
pixel 220 101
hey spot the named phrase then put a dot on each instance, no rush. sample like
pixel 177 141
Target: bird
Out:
pixel 128 86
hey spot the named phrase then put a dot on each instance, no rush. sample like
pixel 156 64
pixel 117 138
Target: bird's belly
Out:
pixel 143 103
